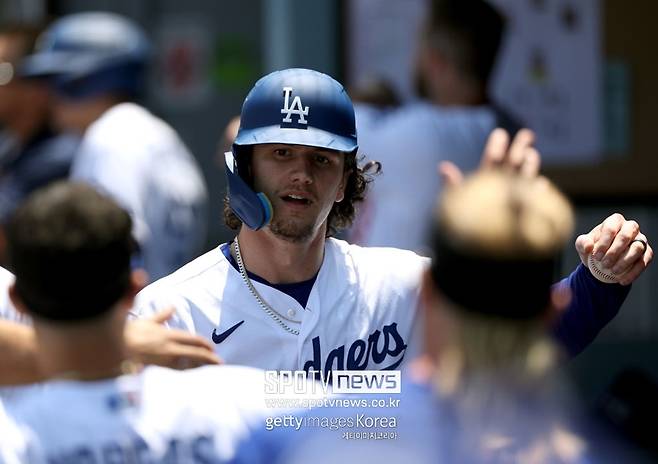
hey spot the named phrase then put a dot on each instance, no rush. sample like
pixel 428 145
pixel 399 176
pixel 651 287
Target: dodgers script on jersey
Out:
pixel 359 315
pixel 140 417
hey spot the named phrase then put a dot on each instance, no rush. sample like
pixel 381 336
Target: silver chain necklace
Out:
pixel 278 318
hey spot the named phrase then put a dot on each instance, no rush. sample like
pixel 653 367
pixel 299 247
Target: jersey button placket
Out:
pixel 310 320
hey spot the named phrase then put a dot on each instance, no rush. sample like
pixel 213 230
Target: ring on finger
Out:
pixel 643 242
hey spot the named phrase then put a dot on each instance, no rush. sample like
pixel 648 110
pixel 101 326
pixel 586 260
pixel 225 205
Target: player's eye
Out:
pixel 281 152
pixel 321 159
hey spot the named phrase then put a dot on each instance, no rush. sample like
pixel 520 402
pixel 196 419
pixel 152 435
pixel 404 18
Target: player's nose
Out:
pixel 301 169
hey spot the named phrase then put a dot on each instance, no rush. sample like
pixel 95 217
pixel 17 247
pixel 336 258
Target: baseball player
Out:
pixel 451 122
pixel 284 294
pixel 32 154
pixel 96 65
pixel 147 341
pixel 498 398
pixel 71 249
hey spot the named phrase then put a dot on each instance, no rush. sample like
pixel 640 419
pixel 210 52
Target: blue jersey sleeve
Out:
pixel 592 306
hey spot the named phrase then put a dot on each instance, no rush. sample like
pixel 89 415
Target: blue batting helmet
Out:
pixel 292 106
pixel 87 54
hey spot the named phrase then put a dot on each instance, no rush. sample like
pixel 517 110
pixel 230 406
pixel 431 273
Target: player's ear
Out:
pixel 434 321
pixel 561 296
pixel 430 61
pixel 138 280
pixel 340 196
pixel 428 294
pixel 16 300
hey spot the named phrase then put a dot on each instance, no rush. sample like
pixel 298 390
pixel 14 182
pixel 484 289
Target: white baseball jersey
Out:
pixel 11 439
pixel 7 310
pixel 492 421
pixel 158 415
pixel 359 314
pixel 410 142
pixel 140 161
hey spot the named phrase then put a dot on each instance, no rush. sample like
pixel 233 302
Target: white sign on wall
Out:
pixel 383 36
pixel 549 75
pixel 549 72
pixel 183 60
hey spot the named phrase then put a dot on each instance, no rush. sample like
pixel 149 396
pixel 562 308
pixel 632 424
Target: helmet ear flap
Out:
pixel 243 156
pixel 254 209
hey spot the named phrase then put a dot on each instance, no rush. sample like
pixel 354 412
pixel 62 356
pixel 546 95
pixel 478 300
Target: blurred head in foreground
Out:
pixel 70 248
pixel 487 296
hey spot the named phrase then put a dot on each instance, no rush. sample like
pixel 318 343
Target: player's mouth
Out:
pixel 297 199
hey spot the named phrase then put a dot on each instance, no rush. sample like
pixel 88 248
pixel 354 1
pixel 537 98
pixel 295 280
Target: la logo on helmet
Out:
pixel 296 107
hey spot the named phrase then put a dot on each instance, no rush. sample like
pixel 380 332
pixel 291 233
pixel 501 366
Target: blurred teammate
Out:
pixel 486 390
pixel 147 341
pixel 455 58
pixel 71 249
pixel 96 64
pixel 284 294
pixel 31 153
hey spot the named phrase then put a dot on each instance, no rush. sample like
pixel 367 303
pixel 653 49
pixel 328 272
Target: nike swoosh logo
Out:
pixel 219 338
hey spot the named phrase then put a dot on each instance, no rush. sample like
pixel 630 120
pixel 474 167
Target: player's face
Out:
pixel 9 97
pixel 69 115
pixel 303 183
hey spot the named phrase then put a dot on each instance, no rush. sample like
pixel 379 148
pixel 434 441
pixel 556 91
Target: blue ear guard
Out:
pixel 253 209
